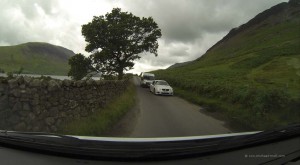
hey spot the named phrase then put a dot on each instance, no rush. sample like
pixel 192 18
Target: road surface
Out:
pixel 169 116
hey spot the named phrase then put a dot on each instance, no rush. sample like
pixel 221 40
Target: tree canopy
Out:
pixel 116 40
pixel 80 66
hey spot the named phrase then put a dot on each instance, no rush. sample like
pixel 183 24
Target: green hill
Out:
pixel 35 58
pixel 253 74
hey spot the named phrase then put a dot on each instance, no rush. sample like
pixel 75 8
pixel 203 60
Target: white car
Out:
pixel 161 87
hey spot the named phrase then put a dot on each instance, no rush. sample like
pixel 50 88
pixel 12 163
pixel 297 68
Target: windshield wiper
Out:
pixel 142 150
pixel 264 137
pixel 39 140
pixel 36 134
pixel 275 134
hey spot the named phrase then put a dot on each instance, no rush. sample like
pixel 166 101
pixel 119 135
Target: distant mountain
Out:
pixel 35 58
pixel 278 14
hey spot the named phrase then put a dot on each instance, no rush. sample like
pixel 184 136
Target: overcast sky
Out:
pixel 189 27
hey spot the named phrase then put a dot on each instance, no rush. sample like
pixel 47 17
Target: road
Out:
pixel 170 116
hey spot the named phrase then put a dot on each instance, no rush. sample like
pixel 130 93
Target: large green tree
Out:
pixel 116 40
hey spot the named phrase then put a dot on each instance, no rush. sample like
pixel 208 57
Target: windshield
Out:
pixel 80 69
pixel 162 83
pixel 149 77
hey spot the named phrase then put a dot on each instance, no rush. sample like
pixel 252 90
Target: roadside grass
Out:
pixel 237 115
pixel 102 120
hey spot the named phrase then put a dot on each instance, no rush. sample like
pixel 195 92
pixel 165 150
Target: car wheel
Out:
pixel 154 92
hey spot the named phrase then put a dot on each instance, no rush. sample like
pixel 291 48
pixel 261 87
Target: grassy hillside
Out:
pixel 36 58
pixel 252 75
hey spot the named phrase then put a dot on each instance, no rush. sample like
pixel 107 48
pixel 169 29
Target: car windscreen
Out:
pixel 149 78
pixel 162 83
pixel 203 73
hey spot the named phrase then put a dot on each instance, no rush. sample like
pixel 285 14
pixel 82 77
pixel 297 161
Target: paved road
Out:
pixel 170 116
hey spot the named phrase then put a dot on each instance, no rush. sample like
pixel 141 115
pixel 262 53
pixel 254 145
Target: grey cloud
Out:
pixel 187 20
pixel 18 19
pixel 174 49
pixel 22 22
pixel 178 52
pixel 28 7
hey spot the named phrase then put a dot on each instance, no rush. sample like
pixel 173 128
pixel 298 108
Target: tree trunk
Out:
pixel 120 75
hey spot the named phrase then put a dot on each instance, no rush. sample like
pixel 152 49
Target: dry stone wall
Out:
pixel 32 104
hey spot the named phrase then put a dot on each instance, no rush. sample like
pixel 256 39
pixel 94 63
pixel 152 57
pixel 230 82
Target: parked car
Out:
pixel 161 87
pixel 146 79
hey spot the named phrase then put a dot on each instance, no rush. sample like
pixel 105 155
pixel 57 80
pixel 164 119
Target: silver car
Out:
pixel 161 87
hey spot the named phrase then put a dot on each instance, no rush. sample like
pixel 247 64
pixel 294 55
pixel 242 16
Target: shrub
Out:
pixel 9 75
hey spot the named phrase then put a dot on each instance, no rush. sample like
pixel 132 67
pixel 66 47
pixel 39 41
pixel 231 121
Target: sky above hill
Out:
pixel 189 27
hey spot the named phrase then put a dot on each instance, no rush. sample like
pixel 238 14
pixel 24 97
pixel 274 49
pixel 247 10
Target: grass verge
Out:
pixel 102 120
pixel 215 108
pixel 237 116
